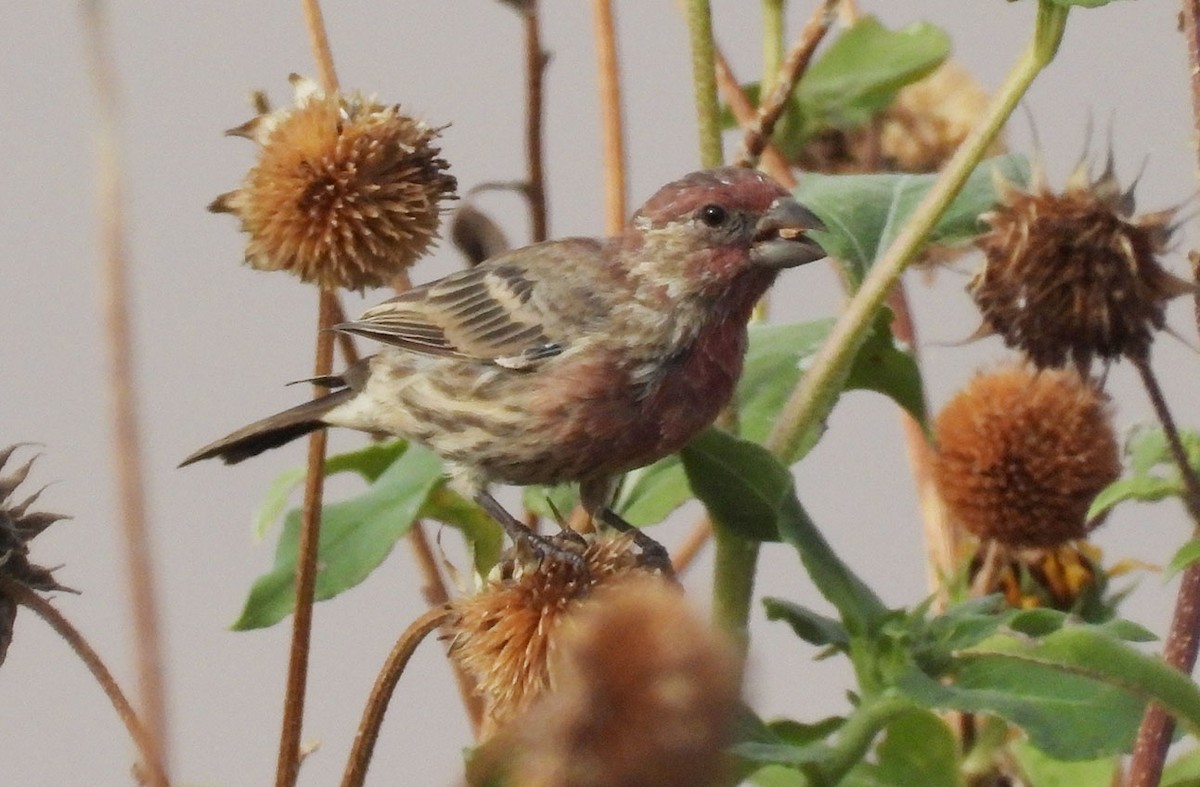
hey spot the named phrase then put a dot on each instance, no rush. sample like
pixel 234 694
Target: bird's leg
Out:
pixel 654 554
pixel 520 534
pixel 596 496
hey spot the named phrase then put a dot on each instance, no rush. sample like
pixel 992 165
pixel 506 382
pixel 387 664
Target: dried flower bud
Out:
pixel 918 132
pixel 644 692
pixel 346 192
pixel 1074 275
pixel 504 634
pixel 1021 455
pixel 19 526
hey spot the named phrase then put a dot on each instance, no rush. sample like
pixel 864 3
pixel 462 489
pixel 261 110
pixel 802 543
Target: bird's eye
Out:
pixel 713 215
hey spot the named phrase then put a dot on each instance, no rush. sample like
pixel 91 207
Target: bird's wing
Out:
pixel 491 312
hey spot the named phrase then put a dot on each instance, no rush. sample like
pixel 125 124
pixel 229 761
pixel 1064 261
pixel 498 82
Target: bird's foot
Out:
pixel 654 555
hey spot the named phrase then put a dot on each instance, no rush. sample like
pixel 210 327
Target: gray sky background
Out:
pixel 215 341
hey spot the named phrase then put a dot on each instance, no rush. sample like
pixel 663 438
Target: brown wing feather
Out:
pixel 488 313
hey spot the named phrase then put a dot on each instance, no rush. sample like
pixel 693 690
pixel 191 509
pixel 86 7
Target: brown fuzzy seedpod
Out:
pixel 503 635
pixel 346 192
pixel 644 693
pixel 19 526
pixel 1073 276
pixel 1021 454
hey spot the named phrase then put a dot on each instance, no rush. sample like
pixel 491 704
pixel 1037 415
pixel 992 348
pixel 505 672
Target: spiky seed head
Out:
pixel 1021 454
pixel 346 192
pixel 644 692
pixel 503 635
pixel 19 526
pixel 1074 276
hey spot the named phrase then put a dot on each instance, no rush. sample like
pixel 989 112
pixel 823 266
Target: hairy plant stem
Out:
pixel 856 735
pixel 820 386
pixel 142 736
pixel 287 768
pixel 733 583
pixel 704 82
pixel 1183 638
pixel 381 694
pixel 609 79
pixel 774 102
pixel 535 69
pixel 772 44
pixel 136 542
pixel 1155 732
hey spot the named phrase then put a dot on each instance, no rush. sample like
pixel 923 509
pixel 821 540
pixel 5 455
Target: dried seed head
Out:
pixel 644 692
pixel 19 526
pixel 504 634
pixel 346 192
pixel 1022 453
pixel 918 132
pixel 1072 276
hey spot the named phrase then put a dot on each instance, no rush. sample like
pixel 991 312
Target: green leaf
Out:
pixel 650 493
pixel 744 488
pixel 1188 554
pixel 369 462
pixel 749 491
pixel 864 213
pixel 812 627
pixel 1153 474
pixel 356 535
pixel 551 502
pixel 917 748
pixel 1045 771
pixel 884 367
pixel 860 73
pixel 1078 693
pixel 1183 771
pixel 778 776
pixel 276 499
pixel 482 533
pixel 777 353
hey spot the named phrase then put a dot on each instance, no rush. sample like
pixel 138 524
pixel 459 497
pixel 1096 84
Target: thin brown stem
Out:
pixel 1183 638
pixel 143 738
pixel 287 768
pixel 941 539
pixel 535 70
pixel 436 595
pixel 794 65
pixel 381 694
pixel 1191 481
pixel 318 42
pixel 771 160
pixel 135 536
pixel 610 113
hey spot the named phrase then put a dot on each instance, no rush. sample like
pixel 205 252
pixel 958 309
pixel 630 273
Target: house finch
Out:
pixel 568 361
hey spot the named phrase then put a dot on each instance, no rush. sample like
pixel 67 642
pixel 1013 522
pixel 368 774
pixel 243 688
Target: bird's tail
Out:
pixel 272 431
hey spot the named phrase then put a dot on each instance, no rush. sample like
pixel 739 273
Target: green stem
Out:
pixel 857 734
pixel 733 583
pixel 772 42
pixel 817 390
pixel 704 78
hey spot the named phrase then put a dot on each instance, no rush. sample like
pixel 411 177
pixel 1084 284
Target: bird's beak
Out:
pixel 779 237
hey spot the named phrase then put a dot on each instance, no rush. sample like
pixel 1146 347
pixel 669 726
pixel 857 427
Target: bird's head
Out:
pixel 719 233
